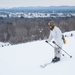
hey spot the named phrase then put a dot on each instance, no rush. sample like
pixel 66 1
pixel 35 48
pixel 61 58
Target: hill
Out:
pixel 26 58
pixel 40 9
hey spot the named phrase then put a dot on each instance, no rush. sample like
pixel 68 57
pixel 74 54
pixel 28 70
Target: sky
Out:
pixel 25 3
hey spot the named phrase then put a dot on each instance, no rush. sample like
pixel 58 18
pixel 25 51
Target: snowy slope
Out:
pixel 25 59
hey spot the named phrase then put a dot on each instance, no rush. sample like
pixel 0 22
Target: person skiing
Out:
pixel 55 33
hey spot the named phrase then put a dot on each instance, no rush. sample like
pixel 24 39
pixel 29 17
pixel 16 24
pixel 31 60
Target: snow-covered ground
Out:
pixel 2 44
pixel 69 34
pixel 25 59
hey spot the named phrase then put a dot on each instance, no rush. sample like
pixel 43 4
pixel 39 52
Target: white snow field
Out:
pixel 26 58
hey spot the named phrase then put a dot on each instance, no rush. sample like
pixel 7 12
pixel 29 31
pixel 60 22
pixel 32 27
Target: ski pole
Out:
pixel 53 47
pixel 62 49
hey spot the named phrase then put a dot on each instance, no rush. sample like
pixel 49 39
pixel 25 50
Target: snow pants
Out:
pixel 57 52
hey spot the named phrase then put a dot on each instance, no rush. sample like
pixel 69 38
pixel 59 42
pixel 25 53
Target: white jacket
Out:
pixel 57 35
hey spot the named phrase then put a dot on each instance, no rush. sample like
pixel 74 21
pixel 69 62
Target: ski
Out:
pixel 45 65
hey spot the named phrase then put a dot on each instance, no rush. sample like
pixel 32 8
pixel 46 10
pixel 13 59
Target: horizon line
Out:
pixel 37 6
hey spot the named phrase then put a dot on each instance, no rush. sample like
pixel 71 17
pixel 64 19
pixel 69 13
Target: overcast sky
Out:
pixel 24 3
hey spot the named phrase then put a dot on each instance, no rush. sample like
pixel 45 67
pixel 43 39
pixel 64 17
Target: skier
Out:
pixel 55 33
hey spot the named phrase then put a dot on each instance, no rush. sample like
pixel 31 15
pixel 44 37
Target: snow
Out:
pixel 69 34
pixel 2 44
pixel 26 58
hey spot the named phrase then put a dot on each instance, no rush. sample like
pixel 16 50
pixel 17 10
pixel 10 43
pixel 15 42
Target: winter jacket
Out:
pixel 56 34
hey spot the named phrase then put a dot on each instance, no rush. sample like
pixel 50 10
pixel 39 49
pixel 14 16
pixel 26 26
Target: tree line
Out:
pixel 20 30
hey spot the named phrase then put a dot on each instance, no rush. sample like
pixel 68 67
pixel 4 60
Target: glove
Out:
pixel 46 41
pixel 64 41
pixel 53 42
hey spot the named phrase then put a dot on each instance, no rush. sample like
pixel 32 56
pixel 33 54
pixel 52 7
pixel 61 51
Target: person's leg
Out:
pixel 57 54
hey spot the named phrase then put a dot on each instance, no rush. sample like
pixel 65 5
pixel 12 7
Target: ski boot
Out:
pixel 56 59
